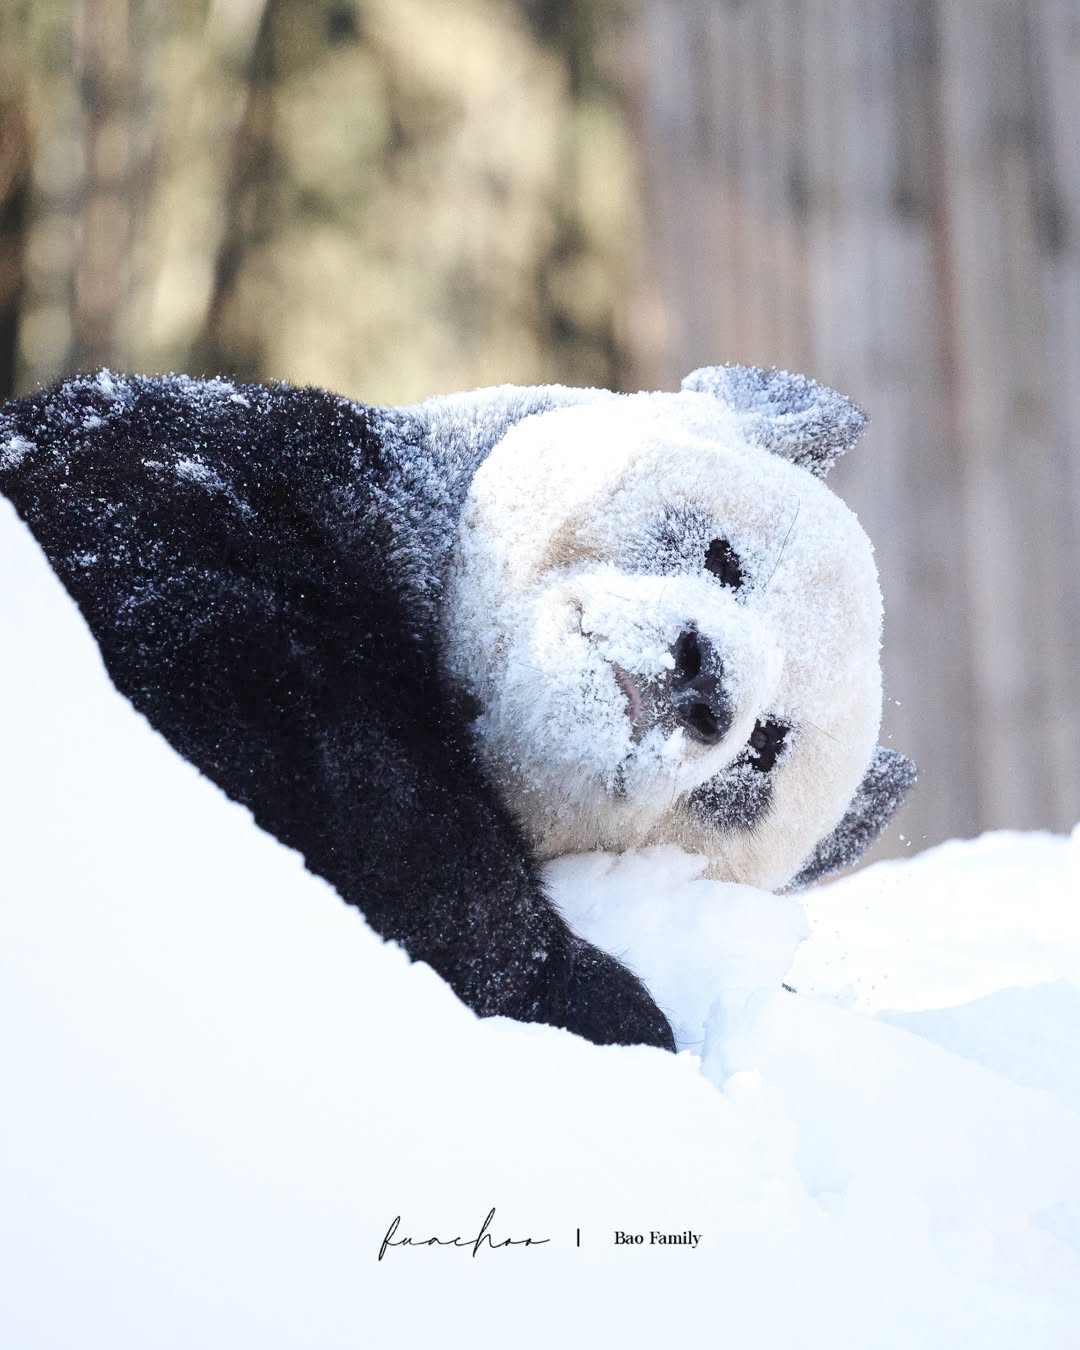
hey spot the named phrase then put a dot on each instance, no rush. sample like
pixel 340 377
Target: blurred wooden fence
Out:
pixel 887 197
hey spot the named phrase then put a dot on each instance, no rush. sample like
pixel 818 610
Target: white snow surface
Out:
pixel 220 1087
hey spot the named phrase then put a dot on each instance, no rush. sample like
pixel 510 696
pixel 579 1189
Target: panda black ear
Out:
pixel 791 415
pixel 877 799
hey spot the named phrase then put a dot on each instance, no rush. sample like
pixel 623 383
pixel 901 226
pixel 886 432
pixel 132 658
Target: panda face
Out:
pixel 672 634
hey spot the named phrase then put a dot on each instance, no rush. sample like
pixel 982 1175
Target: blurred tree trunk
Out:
pixel 103 242
pixel 15 156
pixel 15 165
pixel 571 308
pixel 232 338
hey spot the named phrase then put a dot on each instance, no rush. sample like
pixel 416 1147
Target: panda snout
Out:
pixel 698 695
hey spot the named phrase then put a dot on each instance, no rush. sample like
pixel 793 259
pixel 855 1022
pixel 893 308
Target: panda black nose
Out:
pixel 697 688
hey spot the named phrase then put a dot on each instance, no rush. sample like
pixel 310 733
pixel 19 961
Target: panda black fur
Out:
pixel 304 595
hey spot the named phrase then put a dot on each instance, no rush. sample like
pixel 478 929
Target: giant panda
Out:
pixel 430 647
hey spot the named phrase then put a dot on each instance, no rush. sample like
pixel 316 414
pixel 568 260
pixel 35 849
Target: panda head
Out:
pixel 671 627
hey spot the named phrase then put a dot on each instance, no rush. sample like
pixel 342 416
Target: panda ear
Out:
pixel 877 799
pixel 790 415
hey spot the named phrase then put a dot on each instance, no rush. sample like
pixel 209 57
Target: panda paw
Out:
pixel 599 998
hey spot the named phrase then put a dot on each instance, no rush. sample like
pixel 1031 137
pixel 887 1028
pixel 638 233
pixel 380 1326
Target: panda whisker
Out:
pixel 794 518
pixel 807 722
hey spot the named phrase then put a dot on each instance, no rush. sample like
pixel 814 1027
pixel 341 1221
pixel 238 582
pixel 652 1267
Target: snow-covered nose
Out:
pixel 698 695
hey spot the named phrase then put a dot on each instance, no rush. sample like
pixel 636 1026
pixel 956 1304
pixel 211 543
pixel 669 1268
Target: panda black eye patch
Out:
pixel 766 742
pixel 723 562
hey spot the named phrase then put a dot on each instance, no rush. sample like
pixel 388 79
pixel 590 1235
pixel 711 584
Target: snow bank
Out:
pixel 220 1087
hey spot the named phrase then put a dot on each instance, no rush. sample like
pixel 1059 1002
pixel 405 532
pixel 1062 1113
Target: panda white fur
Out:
pixel 638 592
pixel 431 646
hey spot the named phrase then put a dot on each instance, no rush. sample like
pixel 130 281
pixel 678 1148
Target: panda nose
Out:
pixel 697 690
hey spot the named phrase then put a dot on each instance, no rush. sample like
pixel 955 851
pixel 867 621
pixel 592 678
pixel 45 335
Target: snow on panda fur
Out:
pixel 430 646
pixel 640 596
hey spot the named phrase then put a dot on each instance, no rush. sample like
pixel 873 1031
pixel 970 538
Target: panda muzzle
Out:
pixel 698 696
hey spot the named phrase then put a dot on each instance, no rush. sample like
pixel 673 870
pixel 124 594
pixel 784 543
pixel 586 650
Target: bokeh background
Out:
pixel 395 198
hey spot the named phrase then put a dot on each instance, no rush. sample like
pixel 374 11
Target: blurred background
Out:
pixel 394 198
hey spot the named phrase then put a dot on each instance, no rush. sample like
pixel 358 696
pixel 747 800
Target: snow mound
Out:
pixel 220 1087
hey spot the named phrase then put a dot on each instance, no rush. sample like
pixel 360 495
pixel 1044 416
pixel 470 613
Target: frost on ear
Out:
pixel 791 415
pixel 877 799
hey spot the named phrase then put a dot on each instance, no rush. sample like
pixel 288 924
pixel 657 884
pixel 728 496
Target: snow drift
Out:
pixel 220 1087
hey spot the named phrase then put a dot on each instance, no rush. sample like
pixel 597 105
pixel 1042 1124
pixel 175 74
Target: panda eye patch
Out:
pixel 766 742
pixel 723 562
